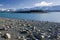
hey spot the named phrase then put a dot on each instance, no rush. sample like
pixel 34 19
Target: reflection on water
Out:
pixel 52 16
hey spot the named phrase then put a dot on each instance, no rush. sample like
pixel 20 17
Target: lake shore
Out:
pixel 28 29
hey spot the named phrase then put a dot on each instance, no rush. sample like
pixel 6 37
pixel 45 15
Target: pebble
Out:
pixel 7 36
pixel 42 36
pixel 0 32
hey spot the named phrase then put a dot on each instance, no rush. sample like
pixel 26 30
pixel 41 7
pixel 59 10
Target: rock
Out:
pixel 8 27
pixel 22 38
pixel 3 25
pixel 58 37
pixel 49 36
pixel 2 29
pixel 24 24
pixel 19 37
pixel 0 33
pixel 7 36
pixel 43 36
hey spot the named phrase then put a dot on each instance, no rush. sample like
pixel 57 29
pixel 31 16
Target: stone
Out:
pixel 58 37
pixel 0 33
pixel 22 38
pixel 7 36
pixel 43 36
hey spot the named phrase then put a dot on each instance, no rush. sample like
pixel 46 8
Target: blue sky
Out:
pixel 27 3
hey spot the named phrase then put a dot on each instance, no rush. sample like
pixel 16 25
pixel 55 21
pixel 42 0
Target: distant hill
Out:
pixel 48 8
pixel 41 9
pixel 35 9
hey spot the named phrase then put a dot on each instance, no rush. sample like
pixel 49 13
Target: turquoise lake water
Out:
pixel 51 16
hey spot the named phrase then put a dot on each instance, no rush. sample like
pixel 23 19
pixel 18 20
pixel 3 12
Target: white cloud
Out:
pixel 43 3
pixel 1 4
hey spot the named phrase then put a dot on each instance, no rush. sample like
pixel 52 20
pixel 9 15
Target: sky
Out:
pixel 27 3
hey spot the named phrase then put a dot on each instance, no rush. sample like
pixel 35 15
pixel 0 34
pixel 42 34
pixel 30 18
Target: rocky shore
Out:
pixel 15 29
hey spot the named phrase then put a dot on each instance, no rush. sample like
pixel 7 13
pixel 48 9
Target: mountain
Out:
pixel 55 8
pixel 48 8
pixel 40 9
pixel 34 9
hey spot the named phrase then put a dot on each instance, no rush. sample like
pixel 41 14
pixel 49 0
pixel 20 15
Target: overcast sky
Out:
pixel 27 3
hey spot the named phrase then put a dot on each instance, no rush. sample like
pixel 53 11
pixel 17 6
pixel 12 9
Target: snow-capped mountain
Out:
pixel 47 8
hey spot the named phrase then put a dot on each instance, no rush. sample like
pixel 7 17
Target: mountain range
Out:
pixel 46 8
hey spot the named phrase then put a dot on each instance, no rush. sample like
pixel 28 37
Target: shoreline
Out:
pixel 27 20
pixel 19 28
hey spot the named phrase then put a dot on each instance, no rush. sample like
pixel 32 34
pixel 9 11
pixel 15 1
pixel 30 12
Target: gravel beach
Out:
pixel 19 29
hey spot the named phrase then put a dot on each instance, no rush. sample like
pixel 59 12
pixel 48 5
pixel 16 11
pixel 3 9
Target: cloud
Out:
pixel 43 3
pixel 1 4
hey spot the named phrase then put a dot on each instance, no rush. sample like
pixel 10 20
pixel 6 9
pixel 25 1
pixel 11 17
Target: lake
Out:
pixel 51 16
